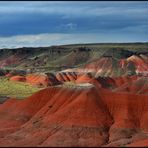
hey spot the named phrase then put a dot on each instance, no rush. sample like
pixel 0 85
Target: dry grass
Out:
pixel 16 89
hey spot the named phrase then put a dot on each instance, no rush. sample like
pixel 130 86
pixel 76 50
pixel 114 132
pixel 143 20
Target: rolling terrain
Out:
pixel 92 95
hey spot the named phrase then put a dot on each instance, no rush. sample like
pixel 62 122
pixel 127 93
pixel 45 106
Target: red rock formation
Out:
pixel 66 76
pixel 18 78
pixel 15 113
pixel 139 86
pixel 96 111
pixel 37 79
pixel 87 116
pixel 83 78
pixel 129 112
pixel 140 63
pixel 110 66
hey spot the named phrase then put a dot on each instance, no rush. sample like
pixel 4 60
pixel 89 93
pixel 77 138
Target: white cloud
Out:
pixel 49 39
pixel 71 25
pixel 68 26
pixel 32 40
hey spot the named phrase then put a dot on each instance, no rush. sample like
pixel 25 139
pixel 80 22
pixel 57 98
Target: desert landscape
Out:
pixel 98 98
pixel 73 74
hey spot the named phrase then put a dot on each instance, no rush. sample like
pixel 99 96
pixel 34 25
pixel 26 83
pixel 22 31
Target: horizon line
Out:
pixel 137 42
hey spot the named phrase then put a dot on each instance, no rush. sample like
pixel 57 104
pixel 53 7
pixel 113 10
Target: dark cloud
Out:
pixel 114 18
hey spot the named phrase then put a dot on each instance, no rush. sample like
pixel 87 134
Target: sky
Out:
pixel 46 23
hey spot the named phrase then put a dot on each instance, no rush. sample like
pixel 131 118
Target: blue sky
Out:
pixel 46 23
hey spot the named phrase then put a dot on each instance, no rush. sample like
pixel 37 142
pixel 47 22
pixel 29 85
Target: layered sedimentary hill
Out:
pixel 82 115
pixel 100 101
pixel 56 57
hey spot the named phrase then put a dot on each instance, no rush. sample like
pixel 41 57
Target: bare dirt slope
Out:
pixel 94 98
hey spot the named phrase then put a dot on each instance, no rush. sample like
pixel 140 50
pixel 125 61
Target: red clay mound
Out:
pixel 110 66
pixel 129 112
pixel 65 120
pixel 83 78
pixel 52 79
pixel 38 79
pixel 119 81
pixel 88 79
pixel 18 78
pixel 14 112
pixel 66 76
pixel 140 62
pixel 102 66
pixel 139 86
pixel 80 116
pixel 115 82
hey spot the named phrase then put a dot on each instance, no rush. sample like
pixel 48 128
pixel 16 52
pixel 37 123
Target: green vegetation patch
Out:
pixel 16 89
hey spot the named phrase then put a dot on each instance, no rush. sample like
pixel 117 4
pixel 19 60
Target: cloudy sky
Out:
pixel 48 23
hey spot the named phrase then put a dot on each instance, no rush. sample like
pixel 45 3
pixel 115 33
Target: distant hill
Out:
pixel 66 56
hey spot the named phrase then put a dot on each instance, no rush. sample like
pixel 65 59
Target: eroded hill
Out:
pixel 55 58
pixel 93 96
